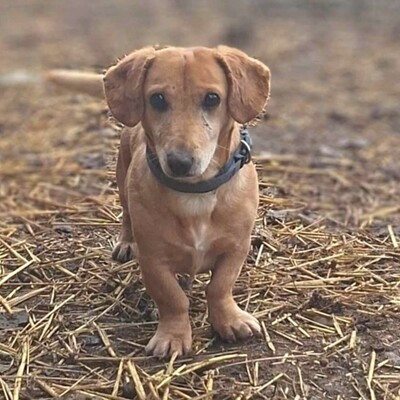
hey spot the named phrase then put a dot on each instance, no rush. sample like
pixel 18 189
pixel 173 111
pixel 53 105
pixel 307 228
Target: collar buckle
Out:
pixel 246 144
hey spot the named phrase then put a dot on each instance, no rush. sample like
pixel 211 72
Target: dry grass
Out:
pixel 73 323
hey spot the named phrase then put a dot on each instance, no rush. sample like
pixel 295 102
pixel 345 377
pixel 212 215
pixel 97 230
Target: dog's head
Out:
pixel 186 99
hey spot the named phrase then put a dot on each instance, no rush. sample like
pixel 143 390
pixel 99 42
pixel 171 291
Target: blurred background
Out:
pixel 335 78
pixel 335 64
pixel 335 89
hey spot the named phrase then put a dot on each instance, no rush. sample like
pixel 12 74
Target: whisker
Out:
pixel 215 163
pixel 223 147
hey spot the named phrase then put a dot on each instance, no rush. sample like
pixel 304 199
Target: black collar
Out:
pixel 240 157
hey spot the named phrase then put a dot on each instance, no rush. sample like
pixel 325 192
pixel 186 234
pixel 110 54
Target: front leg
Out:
pixel 124 250
pixel 173 333
pixel 228 320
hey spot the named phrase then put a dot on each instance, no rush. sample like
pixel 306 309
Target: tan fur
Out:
pixel 173 232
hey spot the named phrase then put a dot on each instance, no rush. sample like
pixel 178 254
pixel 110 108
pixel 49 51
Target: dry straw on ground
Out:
pixel 73 324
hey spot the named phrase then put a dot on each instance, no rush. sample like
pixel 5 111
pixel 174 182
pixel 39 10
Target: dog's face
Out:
pixel 186 99
pixel 185 109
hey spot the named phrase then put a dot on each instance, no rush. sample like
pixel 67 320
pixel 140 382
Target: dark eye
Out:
pixel 158 102
pixel 211 100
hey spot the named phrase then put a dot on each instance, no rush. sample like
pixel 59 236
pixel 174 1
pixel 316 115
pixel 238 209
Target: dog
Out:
pixel 186 210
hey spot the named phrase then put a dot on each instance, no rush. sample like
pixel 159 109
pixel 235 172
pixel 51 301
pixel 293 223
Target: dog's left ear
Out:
pixel 249 83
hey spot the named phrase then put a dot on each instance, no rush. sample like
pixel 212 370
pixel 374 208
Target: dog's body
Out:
pixel 185 105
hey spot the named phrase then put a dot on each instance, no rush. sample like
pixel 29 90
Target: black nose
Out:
pixel 179 162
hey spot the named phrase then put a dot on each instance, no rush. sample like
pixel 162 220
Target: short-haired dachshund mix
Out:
pixel 188 190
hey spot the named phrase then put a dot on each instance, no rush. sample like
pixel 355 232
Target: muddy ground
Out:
pixel 324 269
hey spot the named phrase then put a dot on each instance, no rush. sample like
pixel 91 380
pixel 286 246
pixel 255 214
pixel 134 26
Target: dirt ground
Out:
pixel 323 273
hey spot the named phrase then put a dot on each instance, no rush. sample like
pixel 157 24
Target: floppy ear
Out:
pixel 123 86
pixel 249 83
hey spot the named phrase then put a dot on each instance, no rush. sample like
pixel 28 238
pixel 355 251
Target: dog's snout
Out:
pixel 180 162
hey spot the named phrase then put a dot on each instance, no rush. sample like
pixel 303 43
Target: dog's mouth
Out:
pixel 182 166
pixel 184 169
pixel 188 176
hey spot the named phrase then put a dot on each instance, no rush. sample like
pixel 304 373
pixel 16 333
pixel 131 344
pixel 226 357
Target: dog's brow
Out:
pixel 185 70
pixel 163 88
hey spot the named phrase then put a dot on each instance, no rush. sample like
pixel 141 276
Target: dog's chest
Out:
pixel 199 241
pixel 192 206
pixel 199 237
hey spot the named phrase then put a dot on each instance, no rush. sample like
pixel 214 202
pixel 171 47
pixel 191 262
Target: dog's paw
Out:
pixel 165 343
pixel 124 251
pixel 236 325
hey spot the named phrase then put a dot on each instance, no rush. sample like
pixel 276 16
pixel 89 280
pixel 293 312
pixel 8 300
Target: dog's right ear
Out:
pixel 123 86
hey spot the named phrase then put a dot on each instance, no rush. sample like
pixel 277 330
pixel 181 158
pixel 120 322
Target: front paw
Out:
pixel 124 251
pixel 169 339
pixel 233 324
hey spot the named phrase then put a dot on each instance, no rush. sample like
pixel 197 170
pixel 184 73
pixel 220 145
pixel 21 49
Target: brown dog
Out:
pixel 183 107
